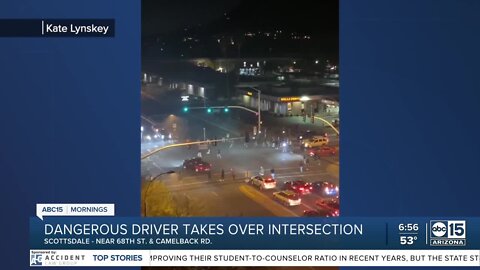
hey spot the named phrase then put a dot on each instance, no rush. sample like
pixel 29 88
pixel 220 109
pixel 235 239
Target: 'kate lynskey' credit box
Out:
pixel 57 28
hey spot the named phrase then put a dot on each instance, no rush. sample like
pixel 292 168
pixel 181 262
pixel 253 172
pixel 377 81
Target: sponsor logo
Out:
pixel 36 260
pixel 54 258
pixel 448 233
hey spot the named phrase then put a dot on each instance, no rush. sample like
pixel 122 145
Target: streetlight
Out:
pixel 259 120
pixel 148 189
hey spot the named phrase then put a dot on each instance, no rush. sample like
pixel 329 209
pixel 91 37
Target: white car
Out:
pixel 287 197
pixel 263 182
pixel 316 142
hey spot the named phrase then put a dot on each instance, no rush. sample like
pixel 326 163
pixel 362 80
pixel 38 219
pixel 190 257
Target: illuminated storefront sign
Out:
pixel 289 99
pixel 329 102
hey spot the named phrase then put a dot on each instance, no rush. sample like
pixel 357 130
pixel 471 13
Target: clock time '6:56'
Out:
pixel 408 227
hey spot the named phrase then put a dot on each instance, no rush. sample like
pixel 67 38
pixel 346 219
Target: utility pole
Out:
pixel 312 117
pixel 259 118
pixel 258 112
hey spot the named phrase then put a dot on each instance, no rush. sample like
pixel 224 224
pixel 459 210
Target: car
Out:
pixel 287 197
pixel 329 204
pixel 196 165
pixel 322 151
pixel 306 135
pixel 263 182
pixel 319 213
pixel 298 186
pixel 325 188
pixel 160 133
pixel 189 162
pixel 316 141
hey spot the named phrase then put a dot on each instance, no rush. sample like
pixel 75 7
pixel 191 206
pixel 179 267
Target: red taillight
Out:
pixel 301 188
pixel 311 187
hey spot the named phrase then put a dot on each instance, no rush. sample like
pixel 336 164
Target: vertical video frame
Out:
pixel 240 109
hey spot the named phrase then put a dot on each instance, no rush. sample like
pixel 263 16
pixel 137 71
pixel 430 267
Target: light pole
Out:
pixel 258 113
pixel 183 144
pixel 328 123
pixel 147 189
pixel 204 135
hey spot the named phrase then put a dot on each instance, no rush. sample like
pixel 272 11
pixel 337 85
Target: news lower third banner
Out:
pixel 118 241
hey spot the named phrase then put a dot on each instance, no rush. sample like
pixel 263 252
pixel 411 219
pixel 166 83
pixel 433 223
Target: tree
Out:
pixel 159 201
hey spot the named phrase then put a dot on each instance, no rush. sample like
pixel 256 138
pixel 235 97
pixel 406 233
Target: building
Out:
pixel 291 101
pixel 266 66
pixel 192 88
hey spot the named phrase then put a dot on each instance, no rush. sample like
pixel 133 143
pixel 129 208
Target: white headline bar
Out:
pixel 173 258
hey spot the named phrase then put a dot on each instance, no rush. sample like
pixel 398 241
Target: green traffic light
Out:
pixel 209 110
pixel 185 109
pixel 226 109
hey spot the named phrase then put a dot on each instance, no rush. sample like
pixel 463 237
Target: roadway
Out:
pixel 235 198
pixel 211 197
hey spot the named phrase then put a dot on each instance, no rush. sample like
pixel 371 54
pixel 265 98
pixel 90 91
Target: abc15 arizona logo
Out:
pixel 448 233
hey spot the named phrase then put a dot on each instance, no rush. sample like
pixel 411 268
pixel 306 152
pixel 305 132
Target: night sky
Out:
pixel 161 17
pixel 205 19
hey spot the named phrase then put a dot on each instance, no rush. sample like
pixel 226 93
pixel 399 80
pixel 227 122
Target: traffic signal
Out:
pixel 209 110
pixel 226 109
pixel 185 109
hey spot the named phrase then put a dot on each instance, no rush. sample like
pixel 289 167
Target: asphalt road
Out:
pixel 234 197
pixel 213 197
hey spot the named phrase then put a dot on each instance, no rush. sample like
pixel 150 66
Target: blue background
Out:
pixel 69 117
pixel 69 112
pixel 410 94
pixel 410 108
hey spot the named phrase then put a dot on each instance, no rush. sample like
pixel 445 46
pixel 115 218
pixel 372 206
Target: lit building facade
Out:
pixel 289 105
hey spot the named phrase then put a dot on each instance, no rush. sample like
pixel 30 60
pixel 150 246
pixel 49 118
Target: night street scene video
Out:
pixel 240 109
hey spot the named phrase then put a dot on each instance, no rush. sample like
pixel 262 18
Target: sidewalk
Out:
pixel 293 121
